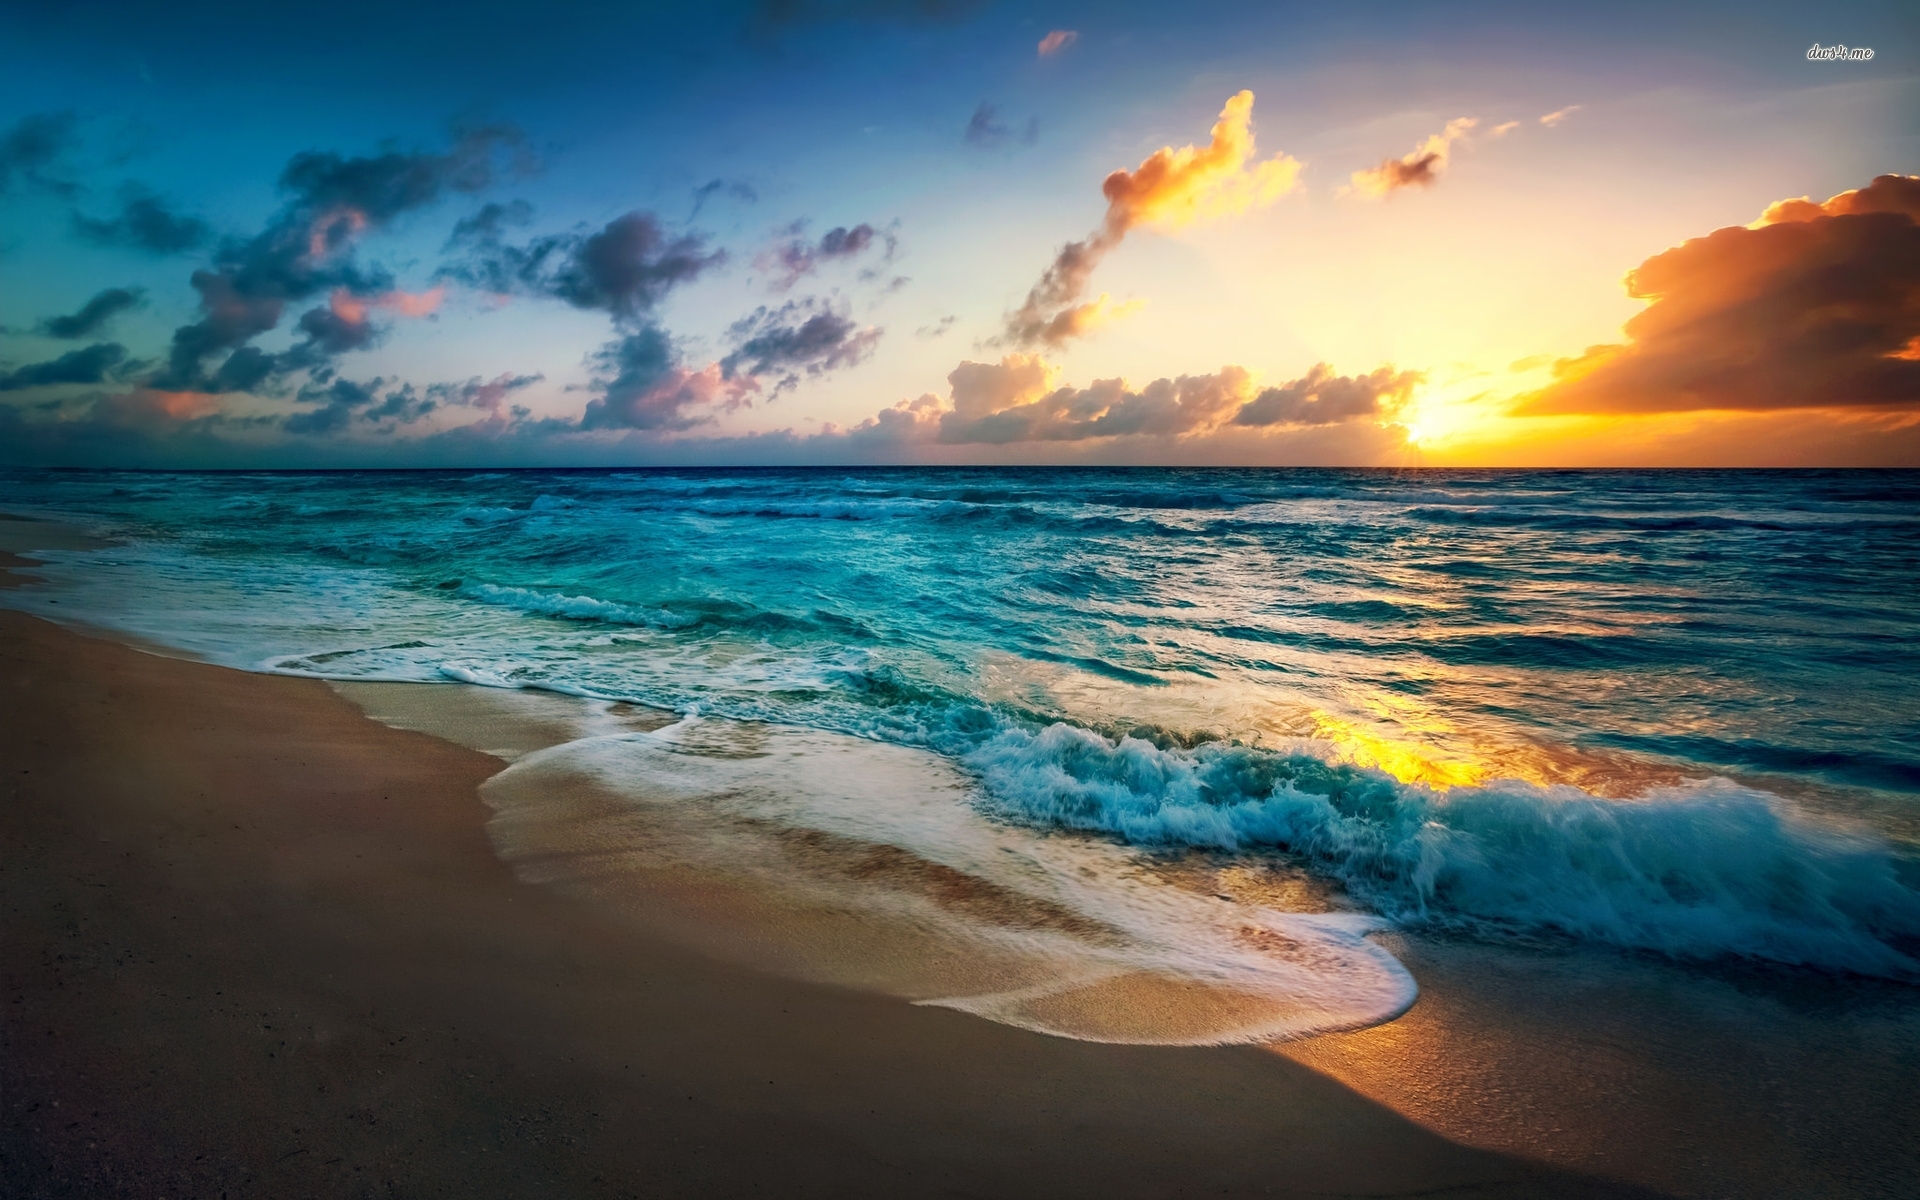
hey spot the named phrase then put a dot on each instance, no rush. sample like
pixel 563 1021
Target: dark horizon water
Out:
pixel 1668 710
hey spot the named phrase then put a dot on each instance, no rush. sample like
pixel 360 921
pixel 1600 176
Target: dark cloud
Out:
pixel 985 129
pixel 335 329
pixel 307 248
pixel 802 337
pixel 343 403
pixel 1816 305
pixel 144 223
pixel 733 189
pixel 32 148
pixel 625 269
pixel 642 387
pixel 787 261
pixel 938 328
pixel 1322 398
pixel 92 364
pixel 93 315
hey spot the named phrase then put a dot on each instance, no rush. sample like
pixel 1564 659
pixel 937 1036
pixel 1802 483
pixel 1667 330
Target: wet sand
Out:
pixel 257 944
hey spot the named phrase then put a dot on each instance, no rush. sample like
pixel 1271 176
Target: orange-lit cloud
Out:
pixel 1169 189
pixel 1559 115
pixel 1019 400
pixel 1504 128
pixel 1420 168
pixel 1057 41
pixel 1815 305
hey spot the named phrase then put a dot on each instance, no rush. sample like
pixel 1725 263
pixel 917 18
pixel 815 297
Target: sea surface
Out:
pixel 1665 712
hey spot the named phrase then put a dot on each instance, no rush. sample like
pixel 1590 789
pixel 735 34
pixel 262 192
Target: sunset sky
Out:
pixel 866 231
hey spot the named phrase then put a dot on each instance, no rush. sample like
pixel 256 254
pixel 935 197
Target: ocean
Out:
pixel 1090 734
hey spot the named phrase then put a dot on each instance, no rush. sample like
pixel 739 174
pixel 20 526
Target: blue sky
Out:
pixel 958 160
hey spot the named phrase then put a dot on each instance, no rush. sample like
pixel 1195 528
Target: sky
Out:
pixel 959 231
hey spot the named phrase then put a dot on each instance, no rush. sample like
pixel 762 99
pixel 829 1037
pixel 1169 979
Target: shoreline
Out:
pixel 259 942
pixel 1681 1079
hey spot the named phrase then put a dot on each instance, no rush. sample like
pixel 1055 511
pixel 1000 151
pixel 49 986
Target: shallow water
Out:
pixel 1669 711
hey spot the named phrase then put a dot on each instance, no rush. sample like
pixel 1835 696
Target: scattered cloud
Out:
pixel 794 257
pixel 144 223
pixel 92 364
pixel 625 269
pixel 93 315
pixel 986 130
pixel 1057 41
pixel 306 249
pixel 32 149
pixel 489 395
pixel 642 387
pixel 1503 129
pixel 1816 304
pixel 1559 115
pixel 800 338
pixel 733 189
pixel 1169 189
pixel 1419 168
pixel 937 328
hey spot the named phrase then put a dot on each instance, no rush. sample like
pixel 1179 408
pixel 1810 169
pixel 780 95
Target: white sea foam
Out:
pixel 1700 869
pixel 1109 935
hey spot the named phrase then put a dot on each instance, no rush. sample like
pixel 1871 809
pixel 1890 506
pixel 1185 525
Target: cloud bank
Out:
pixel 1814 305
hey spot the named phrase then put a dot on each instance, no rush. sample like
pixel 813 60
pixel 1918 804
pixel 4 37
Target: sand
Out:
pixel 257 944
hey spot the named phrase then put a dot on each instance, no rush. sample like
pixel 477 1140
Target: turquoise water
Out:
pixel 1672 711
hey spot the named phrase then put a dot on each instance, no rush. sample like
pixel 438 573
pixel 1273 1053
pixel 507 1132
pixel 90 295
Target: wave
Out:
pixel 575 608
pixel 1700 870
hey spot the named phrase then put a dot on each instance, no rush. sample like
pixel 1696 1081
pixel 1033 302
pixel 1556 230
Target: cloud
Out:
pixel 488 396
pixel 1169 189
pixel 625 269
pixel 32 148
pixel 91 364
pixel 643 388
pixel 802 337
pixel 307 247
pixel 144 223
pixel 937 328
pixel 790 260
pixel 93 315
pixel 1057 41
pixel 1813 305
pixel 1559 115
pixel 985 129
pixel 1503 129
pixel 1420 168
pixel 734 189
pixel 1019 400
pixel 1322 398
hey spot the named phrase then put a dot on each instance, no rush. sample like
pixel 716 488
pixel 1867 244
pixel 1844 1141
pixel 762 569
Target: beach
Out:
pixel 258 943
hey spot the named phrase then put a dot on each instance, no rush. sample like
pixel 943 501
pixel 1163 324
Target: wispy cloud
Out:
pixel 1419 168
pixel 1057 41
pixel 1169 189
